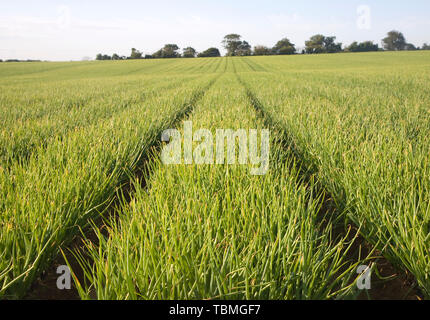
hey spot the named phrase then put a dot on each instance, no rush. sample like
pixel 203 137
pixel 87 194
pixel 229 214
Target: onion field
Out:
pixel 347 185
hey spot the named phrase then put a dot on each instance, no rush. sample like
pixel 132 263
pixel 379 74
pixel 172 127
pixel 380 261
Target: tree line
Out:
pixel 168 51
pixel 17 60
pixel 235 46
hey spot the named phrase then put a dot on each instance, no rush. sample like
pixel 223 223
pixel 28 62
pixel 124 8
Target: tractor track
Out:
pixel 403 286
pixel 45 287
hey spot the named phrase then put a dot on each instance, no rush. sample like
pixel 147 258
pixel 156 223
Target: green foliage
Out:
pixel 367 146
pixel 284 47
pixel 116 57
pixel 394 41
pixel 189 52
pixel 208 232
pixel 135 54
pixel 235 46
pixel 103 57
pixel 169 51
pixel 353 129
pixel 366 46
pixel 244 49
pixel 211 52
pixel 262 51
pixel 231 43
pixel 321 44
pixel 66 157
pixel 410 47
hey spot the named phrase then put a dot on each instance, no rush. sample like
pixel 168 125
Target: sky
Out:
pixel 62 30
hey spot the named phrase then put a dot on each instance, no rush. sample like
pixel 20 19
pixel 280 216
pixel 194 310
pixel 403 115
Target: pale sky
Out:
pixel 73 29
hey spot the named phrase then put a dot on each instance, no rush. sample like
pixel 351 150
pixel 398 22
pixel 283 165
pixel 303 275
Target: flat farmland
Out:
pixel 347 184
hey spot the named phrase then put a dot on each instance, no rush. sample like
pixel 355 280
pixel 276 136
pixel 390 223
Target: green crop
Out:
pixel 217 232
pixel 349 129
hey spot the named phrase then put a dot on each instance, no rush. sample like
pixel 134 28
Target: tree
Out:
pixel 353 47
pixel 189 52
pixel 211 52
pixel 244 49
pixel 235 46
pixel 425 47
pixel 231 43
pixel 410 47
pixel 169 51
pixel 321 44
pixel 368 46
pixel 158 54
pixel 315 44
pixel 103 57
pixel 330 46
pixel 283 47
pixel 116 57
pixel 135 54
pixel 394 41
pixel 365 46
pixel 262 51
